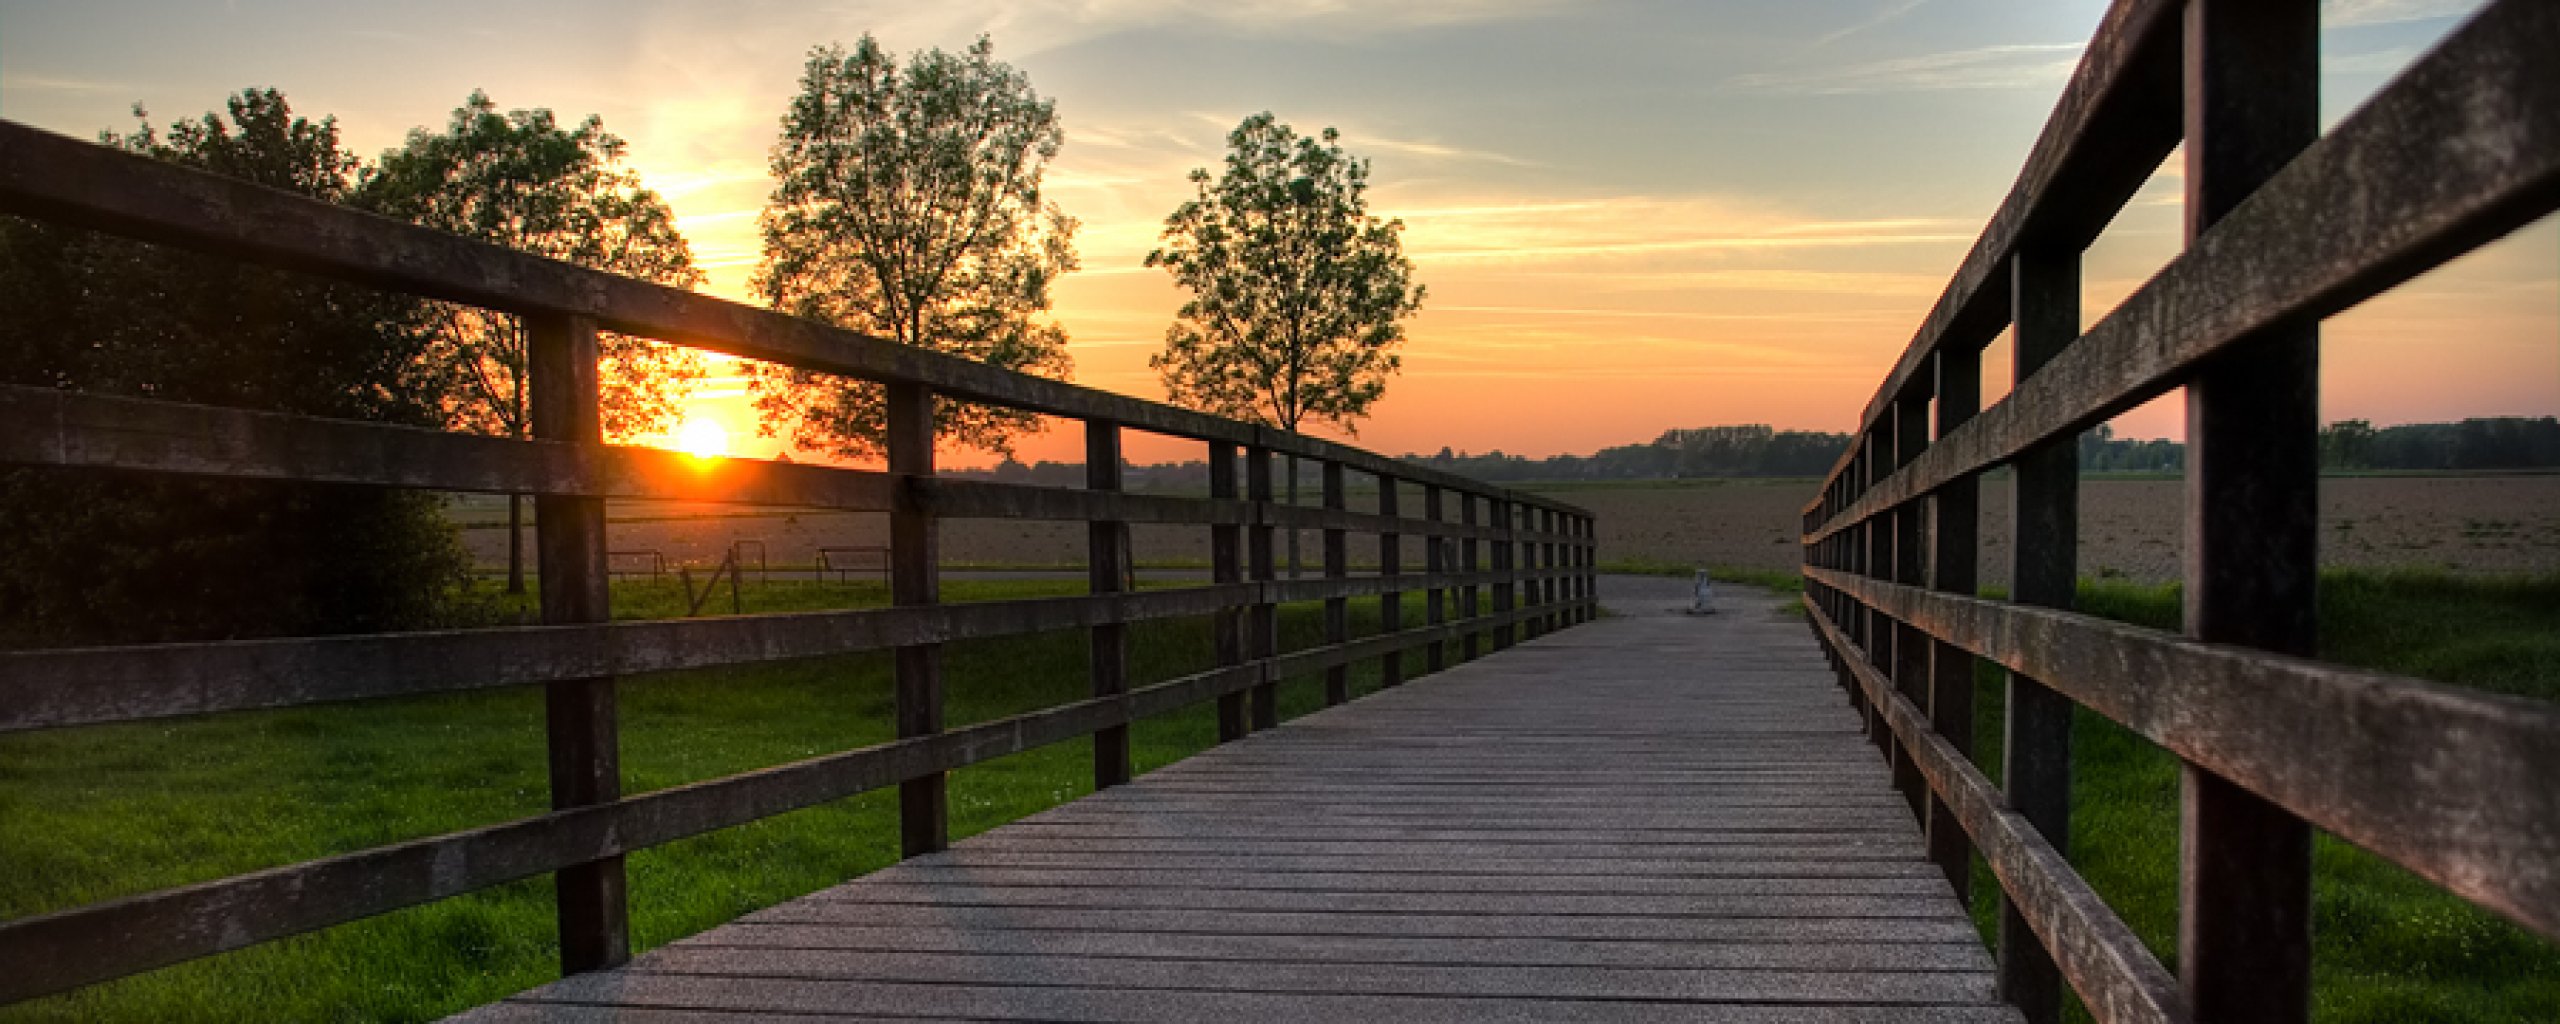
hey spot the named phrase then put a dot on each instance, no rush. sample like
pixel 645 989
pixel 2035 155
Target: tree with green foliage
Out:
pixel 1298 293
pixel 522 180
pixel 907 205
pixel 104 557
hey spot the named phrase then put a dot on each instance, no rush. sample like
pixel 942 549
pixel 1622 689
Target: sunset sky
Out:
pixel 1630 216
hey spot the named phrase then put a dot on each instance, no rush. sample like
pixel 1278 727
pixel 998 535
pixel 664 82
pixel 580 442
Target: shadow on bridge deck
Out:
pixel 1654 817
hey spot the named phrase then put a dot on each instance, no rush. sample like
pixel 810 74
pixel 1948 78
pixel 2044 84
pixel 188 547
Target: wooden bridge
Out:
pixel 1643 817
pixel 1691 830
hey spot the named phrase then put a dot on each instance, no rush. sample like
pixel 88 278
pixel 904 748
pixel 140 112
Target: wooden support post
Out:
pixel 1524 561
pixel 2252 516
pixel 1434 609
pixel 1337 567
pixel 1591 569
pixel 1504 632
pixel 1262 624
pixel 915 578
pixel 1468 596
pixel 1547 561
pixel 1391 600
pixel 2044 571
pixel 583 733
pixel 1111 569
pixel 1912 647
pixel 1226 565
pixel 1878 461
pixel 1954 565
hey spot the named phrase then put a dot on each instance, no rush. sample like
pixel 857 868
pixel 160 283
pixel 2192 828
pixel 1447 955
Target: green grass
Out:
pixel 102 812
pixel 2389 948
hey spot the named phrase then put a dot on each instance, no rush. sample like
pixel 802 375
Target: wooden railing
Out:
pixel 1539 577
pixel 2285 226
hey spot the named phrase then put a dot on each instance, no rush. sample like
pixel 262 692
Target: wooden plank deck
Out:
pixel 1649 818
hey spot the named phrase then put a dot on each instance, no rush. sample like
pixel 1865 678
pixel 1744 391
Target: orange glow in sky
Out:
pixel 1630 217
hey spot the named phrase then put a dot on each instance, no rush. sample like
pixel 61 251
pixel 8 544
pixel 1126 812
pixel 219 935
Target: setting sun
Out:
pixel 702 439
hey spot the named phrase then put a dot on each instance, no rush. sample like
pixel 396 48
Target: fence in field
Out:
pixel 1531 555
pixel 2285 225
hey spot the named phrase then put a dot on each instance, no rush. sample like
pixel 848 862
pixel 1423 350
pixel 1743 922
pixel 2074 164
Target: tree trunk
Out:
pixel 515 543
pixel 1294 570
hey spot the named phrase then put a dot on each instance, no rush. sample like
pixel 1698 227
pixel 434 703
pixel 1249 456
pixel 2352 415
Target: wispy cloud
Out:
pixel 2012 66
pixel 2346 13
pixel 55 83
pixel 1439 151
pixel 1031 29
pixel 1639 226
pixel 1884 16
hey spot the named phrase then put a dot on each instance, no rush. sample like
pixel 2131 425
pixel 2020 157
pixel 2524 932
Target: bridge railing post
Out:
pixel 1226 566
pixel 1262 628
pixel 2044 571
pixel 1390 600
pixel 2252 515
pixel 1434 564
pixel 1337 568
pixel 583 732
pixel 1468 595
pixel 1954 567
pixel 1110 570
pixel 1504 549
pixel 915 579
pixel 1912 648
pixel 1877 630
pixel 1547 561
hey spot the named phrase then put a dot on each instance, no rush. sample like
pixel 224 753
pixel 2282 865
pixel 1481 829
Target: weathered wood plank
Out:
pixel 1109 569
pixel 1660 834
pixel 581 729
pixel 2438 779
pixel 1337 566
pixel 2044 570
pixel 2115 975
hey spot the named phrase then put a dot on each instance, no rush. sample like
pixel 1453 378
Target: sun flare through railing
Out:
pixel 1533 556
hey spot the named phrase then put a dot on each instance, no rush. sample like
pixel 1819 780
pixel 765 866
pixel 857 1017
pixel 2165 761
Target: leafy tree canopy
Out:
pixel 907 205
pixel 1298 294
pixel 522 180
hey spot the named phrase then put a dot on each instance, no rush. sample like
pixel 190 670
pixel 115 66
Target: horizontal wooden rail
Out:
pixel 2113 971
pixel 2285 226
pixel 2116 119
pixel 2462 148
pixel 2462 798
pixel 87 686
pixel 580 656
pixel 68 429
pixel 58 951
pixel 51 177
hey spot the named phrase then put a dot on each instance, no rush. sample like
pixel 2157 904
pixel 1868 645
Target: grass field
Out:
pixel 96 813
pixel 2389 948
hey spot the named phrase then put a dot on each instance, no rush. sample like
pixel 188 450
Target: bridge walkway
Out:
pixel 1653 817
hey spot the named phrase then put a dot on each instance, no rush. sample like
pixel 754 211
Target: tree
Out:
pixel 907 205
pixel 521 180
pixel 108 557
pixel 1298 294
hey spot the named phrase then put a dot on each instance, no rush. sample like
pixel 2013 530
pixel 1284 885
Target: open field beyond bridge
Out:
pixel 2474 525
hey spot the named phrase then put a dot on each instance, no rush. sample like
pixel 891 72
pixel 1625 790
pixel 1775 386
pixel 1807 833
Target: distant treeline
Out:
pixel 1743 451
pixel 2489 443
pixel 1757 450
